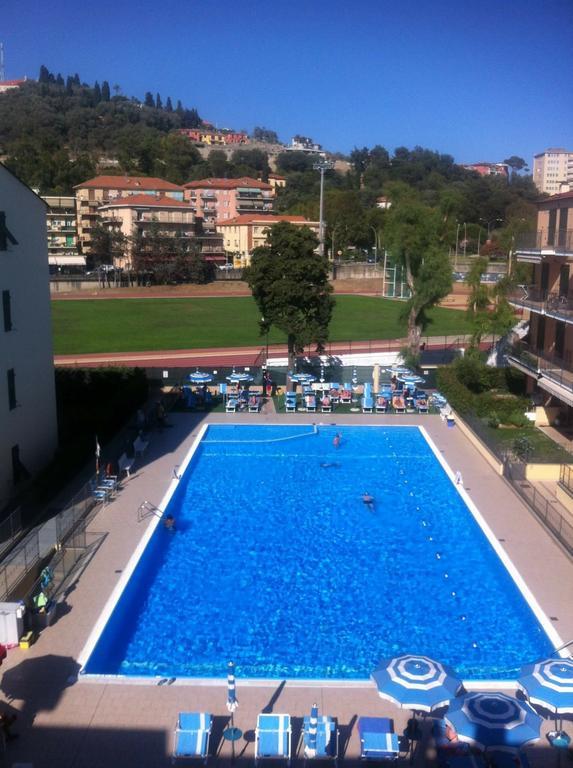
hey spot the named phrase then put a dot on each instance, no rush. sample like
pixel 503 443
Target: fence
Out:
pixel 10 528
pixel 543 506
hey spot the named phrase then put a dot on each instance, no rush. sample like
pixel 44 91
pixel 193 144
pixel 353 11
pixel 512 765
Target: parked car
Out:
pixel 225 266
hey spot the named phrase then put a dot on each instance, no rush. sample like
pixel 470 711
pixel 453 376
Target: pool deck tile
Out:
pixel 95 724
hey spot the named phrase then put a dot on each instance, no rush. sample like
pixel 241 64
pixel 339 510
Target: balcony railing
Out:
pixel 545 303
pixel 558 370
pixel 558 241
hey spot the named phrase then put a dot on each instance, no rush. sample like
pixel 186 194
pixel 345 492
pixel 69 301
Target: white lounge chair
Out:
pixel 231 405
pixel 273 738
pixel 140 445
pixel 125 463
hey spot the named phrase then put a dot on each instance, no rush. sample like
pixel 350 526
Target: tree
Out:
pixel 413 238
pixel 105 91
pixel 60 80
pixel 44 76
pixel 290 285
pixel 265 135
pixel 97 93
pixel 158 104
pixel 107 245
pixel 516 163
pixel 148 100
pixel 168 105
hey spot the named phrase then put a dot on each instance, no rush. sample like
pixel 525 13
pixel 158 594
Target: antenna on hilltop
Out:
pixel 2 75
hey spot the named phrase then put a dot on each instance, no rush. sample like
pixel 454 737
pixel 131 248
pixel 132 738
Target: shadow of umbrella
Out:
pixel 39 682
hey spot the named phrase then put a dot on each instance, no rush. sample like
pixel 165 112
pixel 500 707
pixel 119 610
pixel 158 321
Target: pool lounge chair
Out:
pixel 273 738
pixel 290 402
pixel 398 404
pixel 327 735
pixel 140 445
pixel 367 404
pixel 125 464
pixel 326 404
pixel 381 404
pixel 192 735
pixel 335 392
pixel 254 404
pixel 346 394
pixel 231 405
pixel 377 739
pixel 421 402
pixel 310 403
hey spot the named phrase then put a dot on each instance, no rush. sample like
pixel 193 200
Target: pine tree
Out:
pixel 105 92
pixel 76 79
pixel 69 86
pixel 44 76
pixel 60 80
pixel 97 93
pixel 179 108
pixel 158 104
pixel 168 105
pixel 149 100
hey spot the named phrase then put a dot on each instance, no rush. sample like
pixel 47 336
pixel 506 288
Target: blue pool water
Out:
pixel 278 564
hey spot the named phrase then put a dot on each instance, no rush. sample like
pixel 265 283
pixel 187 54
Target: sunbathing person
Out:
pixel 381 402
pixel 325 402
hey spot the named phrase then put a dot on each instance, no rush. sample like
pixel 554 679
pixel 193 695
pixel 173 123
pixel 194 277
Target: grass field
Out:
pixel 135 325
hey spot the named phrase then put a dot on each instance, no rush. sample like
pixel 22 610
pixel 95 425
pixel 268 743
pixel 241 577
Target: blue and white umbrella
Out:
pixel 549 683
pixel 199 377
pixel 494 720
pixel 416 682
pixel 409 379
pixel 310 747
pixel 303 378
pixel 232 701
pixel 239 378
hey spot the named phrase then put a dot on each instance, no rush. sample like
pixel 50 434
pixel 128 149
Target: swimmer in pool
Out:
pixel 368 500
pixel 329 464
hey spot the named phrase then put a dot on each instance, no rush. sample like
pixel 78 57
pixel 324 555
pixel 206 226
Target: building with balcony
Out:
pixel 546 356
pixel 92 194
pixel 63 255
pixel 28 425
pixel 214 137
pixel 140 214
pixel 488 169
pixel 552 169
pixel 243 234
pixel 217 200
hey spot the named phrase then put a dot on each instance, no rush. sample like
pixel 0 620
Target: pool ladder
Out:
pixel 146 508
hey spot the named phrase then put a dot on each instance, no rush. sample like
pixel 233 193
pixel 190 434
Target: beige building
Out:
pixel 92 194
pixel 552 169
pixel 62 230
pixel 547 355
pixel 28 425
pixel 216 200
pixel 244 233
pixel 175 218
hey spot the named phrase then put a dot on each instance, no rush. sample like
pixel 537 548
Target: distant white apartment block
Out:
pixel 553 170
pixel 28 425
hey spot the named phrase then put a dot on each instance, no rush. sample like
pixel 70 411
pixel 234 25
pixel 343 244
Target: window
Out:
pixel 7 310
pixel 11 376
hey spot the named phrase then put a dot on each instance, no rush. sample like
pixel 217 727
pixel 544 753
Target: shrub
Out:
pixel 493 421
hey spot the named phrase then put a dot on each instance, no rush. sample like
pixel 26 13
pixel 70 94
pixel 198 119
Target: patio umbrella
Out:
pixel 303 378
pixel 239 378
pixel 549 684
pixel 199 377
pixel 376 378
pixel 310 748
pixel 232 701
pixel 409 378
pixel 494 720
pixel 416 682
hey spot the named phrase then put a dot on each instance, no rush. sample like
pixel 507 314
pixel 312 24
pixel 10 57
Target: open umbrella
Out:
pixel 199 377
pixel 239 378
pixel 303 378
pixel 416 682
pixel 310 747
pixel 549 683
pixel 494 721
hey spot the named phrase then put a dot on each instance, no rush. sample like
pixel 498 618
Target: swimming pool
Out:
pixel 277 563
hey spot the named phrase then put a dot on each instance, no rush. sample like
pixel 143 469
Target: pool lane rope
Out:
pixel 268 440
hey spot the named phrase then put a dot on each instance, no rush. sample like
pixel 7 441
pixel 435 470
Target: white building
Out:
pixel 28 426
pixel 552 169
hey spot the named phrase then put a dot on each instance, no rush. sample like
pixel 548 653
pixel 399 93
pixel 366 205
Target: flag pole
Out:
pixel 97 455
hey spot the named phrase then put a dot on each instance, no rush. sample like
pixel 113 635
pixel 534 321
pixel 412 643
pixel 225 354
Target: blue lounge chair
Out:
pixel 346 394
pixel 327 735
pixel 381 404
pixel 367 404
pixel 273 738
pixel 192 735
pixel 231 405
pixel 254 404
pixel 377 739
pixel 290 402
pixel 310 402
pixel 335 392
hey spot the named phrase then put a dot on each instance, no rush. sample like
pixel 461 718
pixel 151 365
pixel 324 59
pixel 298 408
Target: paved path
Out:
pixel 68 724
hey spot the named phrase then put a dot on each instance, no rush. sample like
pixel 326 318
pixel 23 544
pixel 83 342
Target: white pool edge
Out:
pixel 470 685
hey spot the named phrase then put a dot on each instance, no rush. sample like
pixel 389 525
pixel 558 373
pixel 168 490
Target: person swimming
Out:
pixel 169 522
pixel 329 464
pixel 336 440
pixel 368 500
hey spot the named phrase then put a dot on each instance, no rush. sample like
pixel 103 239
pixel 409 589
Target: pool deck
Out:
pixel 94 724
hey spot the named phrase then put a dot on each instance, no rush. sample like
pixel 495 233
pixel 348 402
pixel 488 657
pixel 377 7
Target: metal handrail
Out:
pixel 147 508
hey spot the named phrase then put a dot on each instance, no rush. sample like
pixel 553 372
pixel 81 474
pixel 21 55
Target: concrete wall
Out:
pixel 356 271
pixel 542 472
pixel 27 347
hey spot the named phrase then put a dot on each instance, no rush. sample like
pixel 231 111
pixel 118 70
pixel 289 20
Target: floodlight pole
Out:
pixel 322 166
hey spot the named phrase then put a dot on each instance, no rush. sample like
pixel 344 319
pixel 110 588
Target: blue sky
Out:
pixel 480 80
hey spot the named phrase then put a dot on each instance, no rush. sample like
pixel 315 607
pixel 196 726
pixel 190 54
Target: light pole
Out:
pixel 322 166
pixel 373 228
pixel 489 223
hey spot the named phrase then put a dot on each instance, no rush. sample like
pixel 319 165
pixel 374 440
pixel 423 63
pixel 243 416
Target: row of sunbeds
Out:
pixel 386 400
pixel 245 400
pixel 273 738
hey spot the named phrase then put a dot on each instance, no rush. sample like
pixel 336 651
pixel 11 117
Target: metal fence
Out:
pixel 10 528
pixel 543 506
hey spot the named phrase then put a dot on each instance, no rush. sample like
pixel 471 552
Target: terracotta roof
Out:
pixel 8 83
pixel 245 181
pixel 127 182
pixel 560 196
pixel 276 176
pixel 254 218
pixel 158 201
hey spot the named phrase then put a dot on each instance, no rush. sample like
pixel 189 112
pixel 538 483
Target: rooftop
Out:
pixel 213 183
pixel 127 182
pixel 147 201
pixel 257 218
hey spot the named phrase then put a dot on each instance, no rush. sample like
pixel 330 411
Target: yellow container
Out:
pixel 27 640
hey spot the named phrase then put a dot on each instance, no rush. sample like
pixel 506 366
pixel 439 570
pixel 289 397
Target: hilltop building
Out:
pixel 216 200
pixel 552 169
pixel 215 137
pixel 28 425
pixel 244 233
pixel 11 85
pixel 547 357
pixel 136 214
pixel 304 144
pixel 488 169
pixel 92 194
pixel 62 231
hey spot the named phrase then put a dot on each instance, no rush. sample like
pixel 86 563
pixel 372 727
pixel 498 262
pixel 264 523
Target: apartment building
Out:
pixel 488 169
pixel 137 214
pixel 215 138
pixel 552 169
pixel 11 85
pixel 546 355
pixel 218 200
pixel 244 233
pixel 28 425
pixel 62 231
pixel 92 194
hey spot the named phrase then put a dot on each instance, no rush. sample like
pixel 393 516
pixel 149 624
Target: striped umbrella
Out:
pixel 416 682
pixel 549 683
pixel 199 377
pixel 310 748
pixel 494 721
pixel 239 378
pixel 232 701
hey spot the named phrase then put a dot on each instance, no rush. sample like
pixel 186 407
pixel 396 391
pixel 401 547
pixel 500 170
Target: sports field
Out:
pixel 135 325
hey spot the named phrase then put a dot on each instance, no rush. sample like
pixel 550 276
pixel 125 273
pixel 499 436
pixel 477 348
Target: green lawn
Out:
pixel 134 325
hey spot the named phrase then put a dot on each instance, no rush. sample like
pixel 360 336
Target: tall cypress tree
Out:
pixel 44 76
pixel 149 100
pixel 105 92
pixel 158 104
pixel 168 105
pixel 97 93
